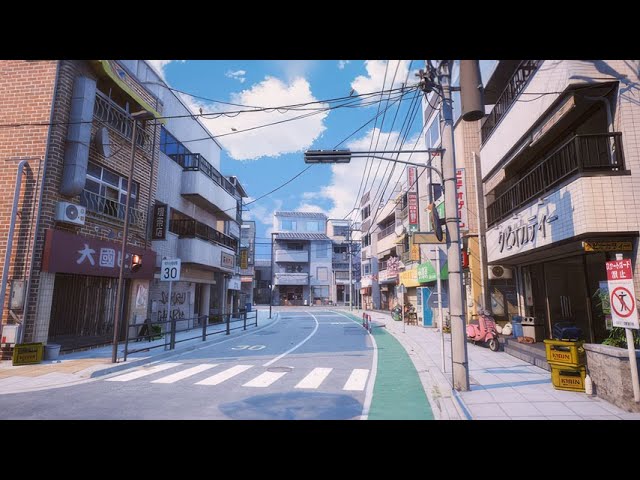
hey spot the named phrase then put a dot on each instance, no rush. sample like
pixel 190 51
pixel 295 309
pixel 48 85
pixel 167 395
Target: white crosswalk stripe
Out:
pixel 265 379
pixel 174 377
pixel 357 380
pixel 224 375
pixel 142 373
pixel 315 378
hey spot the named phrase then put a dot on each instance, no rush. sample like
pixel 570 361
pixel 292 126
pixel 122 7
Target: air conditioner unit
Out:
pixel 70 213
pixel 499 272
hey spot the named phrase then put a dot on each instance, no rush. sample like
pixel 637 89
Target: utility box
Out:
pixel 10 334
pixel 16 296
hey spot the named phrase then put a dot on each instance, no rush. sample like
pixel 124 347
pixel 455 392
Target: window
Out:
pixel 366 269
pixel 294 246
pixel 433 133
pixel 294 268
pixel 322 274
pixel 289 225
pixel 313 227
pixel 322 251
pixel 366 240
pixel 340 231
pixel 340 249
pixel 366 211
pixel 170 145
pixel 106 191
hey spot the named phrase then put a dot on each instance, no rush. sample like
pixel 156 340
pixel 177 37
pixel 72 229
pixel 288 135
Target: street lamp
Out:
pixel 135 117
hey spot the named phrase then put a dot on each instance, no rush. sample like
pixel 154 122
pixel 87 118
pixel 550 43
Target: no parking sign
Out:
pixel 624 310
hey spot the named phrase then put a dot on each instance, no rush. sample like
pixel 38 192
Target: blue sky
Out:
pixel 267 157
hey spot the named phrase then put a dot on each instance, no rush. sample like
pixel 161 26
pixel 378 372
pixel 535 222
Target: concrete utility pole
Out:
pixel 456 300
pixel 350 270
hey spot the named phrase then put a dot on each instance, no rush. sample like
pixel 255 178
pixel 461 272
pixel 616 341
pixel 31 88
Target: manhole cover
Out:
pixel 279 369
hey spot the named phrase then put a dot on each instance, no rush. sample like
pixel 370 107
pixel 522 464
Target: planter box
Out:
pixel 611 375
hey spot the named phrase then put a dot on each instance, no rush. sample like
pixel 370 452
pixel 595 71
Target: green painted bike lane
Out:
pixel 398 393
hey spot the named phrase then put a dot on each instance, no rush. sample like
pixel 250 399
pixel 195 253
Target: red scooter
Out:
pixel 484 330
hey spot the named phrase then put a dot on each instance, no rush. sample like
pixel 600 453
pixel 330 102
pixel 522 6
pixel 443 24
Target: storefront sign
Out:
pixel 461 189
pixel 415 253
pixel 234 283
pixel 409 278
pixel 386 276
pixel 427 272
pixel 244 259
pixel 412 173
pixel 245 279
pixel 66 252
pixel 412 200
pixel 622 299
pixel 227 260
pixel 607 246
pixel 159 231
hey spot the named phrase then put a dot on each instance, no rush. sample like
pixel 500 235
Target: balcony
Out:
pixel 580 154
pixel 300 256
pixel 196 185
pixel 292 279
pixel 509 95
pixel 113 115
pixel 340 258
pixel 385 232
pixel 109 209
pixel 193 229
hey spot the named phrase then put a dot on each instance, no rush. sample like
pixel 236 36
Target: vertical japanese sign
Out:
pixel 462 199
pixel 412 175
pixel 159 221
pixel 622 299
pixel 244 259
pixel 412 198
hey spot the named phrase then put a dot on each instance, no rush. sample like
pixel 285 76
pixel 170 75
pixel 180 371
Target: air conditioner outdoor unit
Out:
pixel 499 272
pixel 70 213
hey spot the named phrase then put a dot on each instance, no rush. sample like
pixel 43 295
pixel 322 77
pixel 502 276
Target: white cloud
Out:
pixel 160 65
pixel 274 140
pixel 343 63
pixel 261 213
pixel 375 79
pixel 308 207
pixel 345 179
pixel 311 195
pixel 238 75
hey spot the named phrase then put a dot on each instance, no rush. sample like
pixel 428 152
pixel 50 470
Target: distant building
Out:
pixel 247 260
pixel 302 259
pixel 343 244
pixel 261 292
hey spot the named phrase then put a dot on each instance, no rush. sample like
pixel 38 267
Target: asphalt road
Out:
pixel 311 365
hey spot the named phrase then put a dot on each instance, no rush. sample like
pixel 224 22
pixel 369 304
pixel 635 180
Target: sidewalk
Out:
pixel 78 367
pixel 502 387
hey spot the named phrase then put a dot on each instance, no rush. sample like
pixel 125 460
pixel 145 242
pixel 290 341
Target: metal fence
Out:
pixel 166 330
pixel 193 229
pixel 110 208
pixel 111 114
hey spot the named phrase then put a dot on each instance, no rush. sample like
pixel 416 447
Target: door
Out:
pixel 422 306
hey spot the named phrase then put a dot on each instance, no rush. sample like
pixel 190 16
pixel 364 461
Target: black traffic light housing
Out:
pixel 136 262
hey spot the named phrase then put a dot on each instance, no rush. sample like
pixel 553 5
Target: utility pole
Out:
pixel 350 270
pixel 271 285
pixel 456 300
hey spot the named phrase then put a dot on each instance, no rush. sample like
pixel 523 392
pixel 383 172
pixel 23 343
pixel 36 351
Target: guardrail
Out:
pixel 208 325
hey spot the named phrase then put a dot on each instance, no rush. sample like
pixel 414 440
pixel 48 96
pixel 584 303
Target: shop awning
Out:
pixel 107 67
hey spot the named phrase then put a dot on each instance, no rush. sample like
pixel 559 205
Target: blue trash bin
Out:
pixel 516 322
pixel 248 306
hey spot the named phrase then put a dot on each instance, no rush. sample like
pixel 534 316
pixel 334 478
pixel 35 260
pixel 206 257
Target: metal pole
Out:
pixel 456 299
pixel 271 285
pixel 350 270
pixel 172 320
pixel 440 313
pixel 125 233
pixel 633 363
pixel 404 326
pixel 12 224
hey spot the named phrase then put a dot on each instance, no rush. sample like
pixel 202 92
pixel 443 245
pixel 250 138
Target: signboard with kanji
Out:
pixel 622 300
pixel 461 190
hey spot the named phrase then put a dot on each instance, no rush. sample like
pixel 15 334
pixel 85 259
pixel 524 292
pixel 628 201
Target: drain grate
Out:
pixel 280 369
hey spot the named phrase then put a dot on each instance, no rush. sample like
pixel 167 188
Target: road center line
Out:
pixel 270 362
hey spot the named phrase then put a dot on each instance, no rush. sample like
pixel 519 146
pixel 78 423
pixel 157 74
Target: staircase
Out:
pixel 533 353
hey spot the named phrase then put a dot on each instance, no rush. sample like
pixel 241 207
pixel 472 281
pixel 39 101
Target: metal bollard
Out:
pixel 205 320
pixel 256 318
pixel 244 317
pixel 228 323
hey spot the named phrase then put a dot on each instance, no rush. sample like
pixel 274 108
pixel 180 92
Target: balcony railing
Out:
pixel 581 153
pixel 385 232
pixel 516 84
pixel 195 161
pixel 107 207
pixel 113 115
pixel 194 229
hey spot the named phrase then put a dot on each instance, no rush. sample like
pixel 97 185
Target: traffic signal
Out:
pixel 136 262
pixel 435 221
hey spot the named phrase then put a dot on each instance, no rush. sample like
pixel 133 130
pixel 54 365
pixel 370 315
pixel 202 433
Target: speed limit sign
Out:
pixel 170 271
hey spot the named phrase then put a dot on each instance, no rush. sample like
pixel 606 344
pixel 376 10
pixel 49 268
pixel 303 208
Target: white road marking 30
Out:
pixel 142 373
pixel 185 373
pixel 315 378
pixel 357 380
pixel 265 379
pixel 225 375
